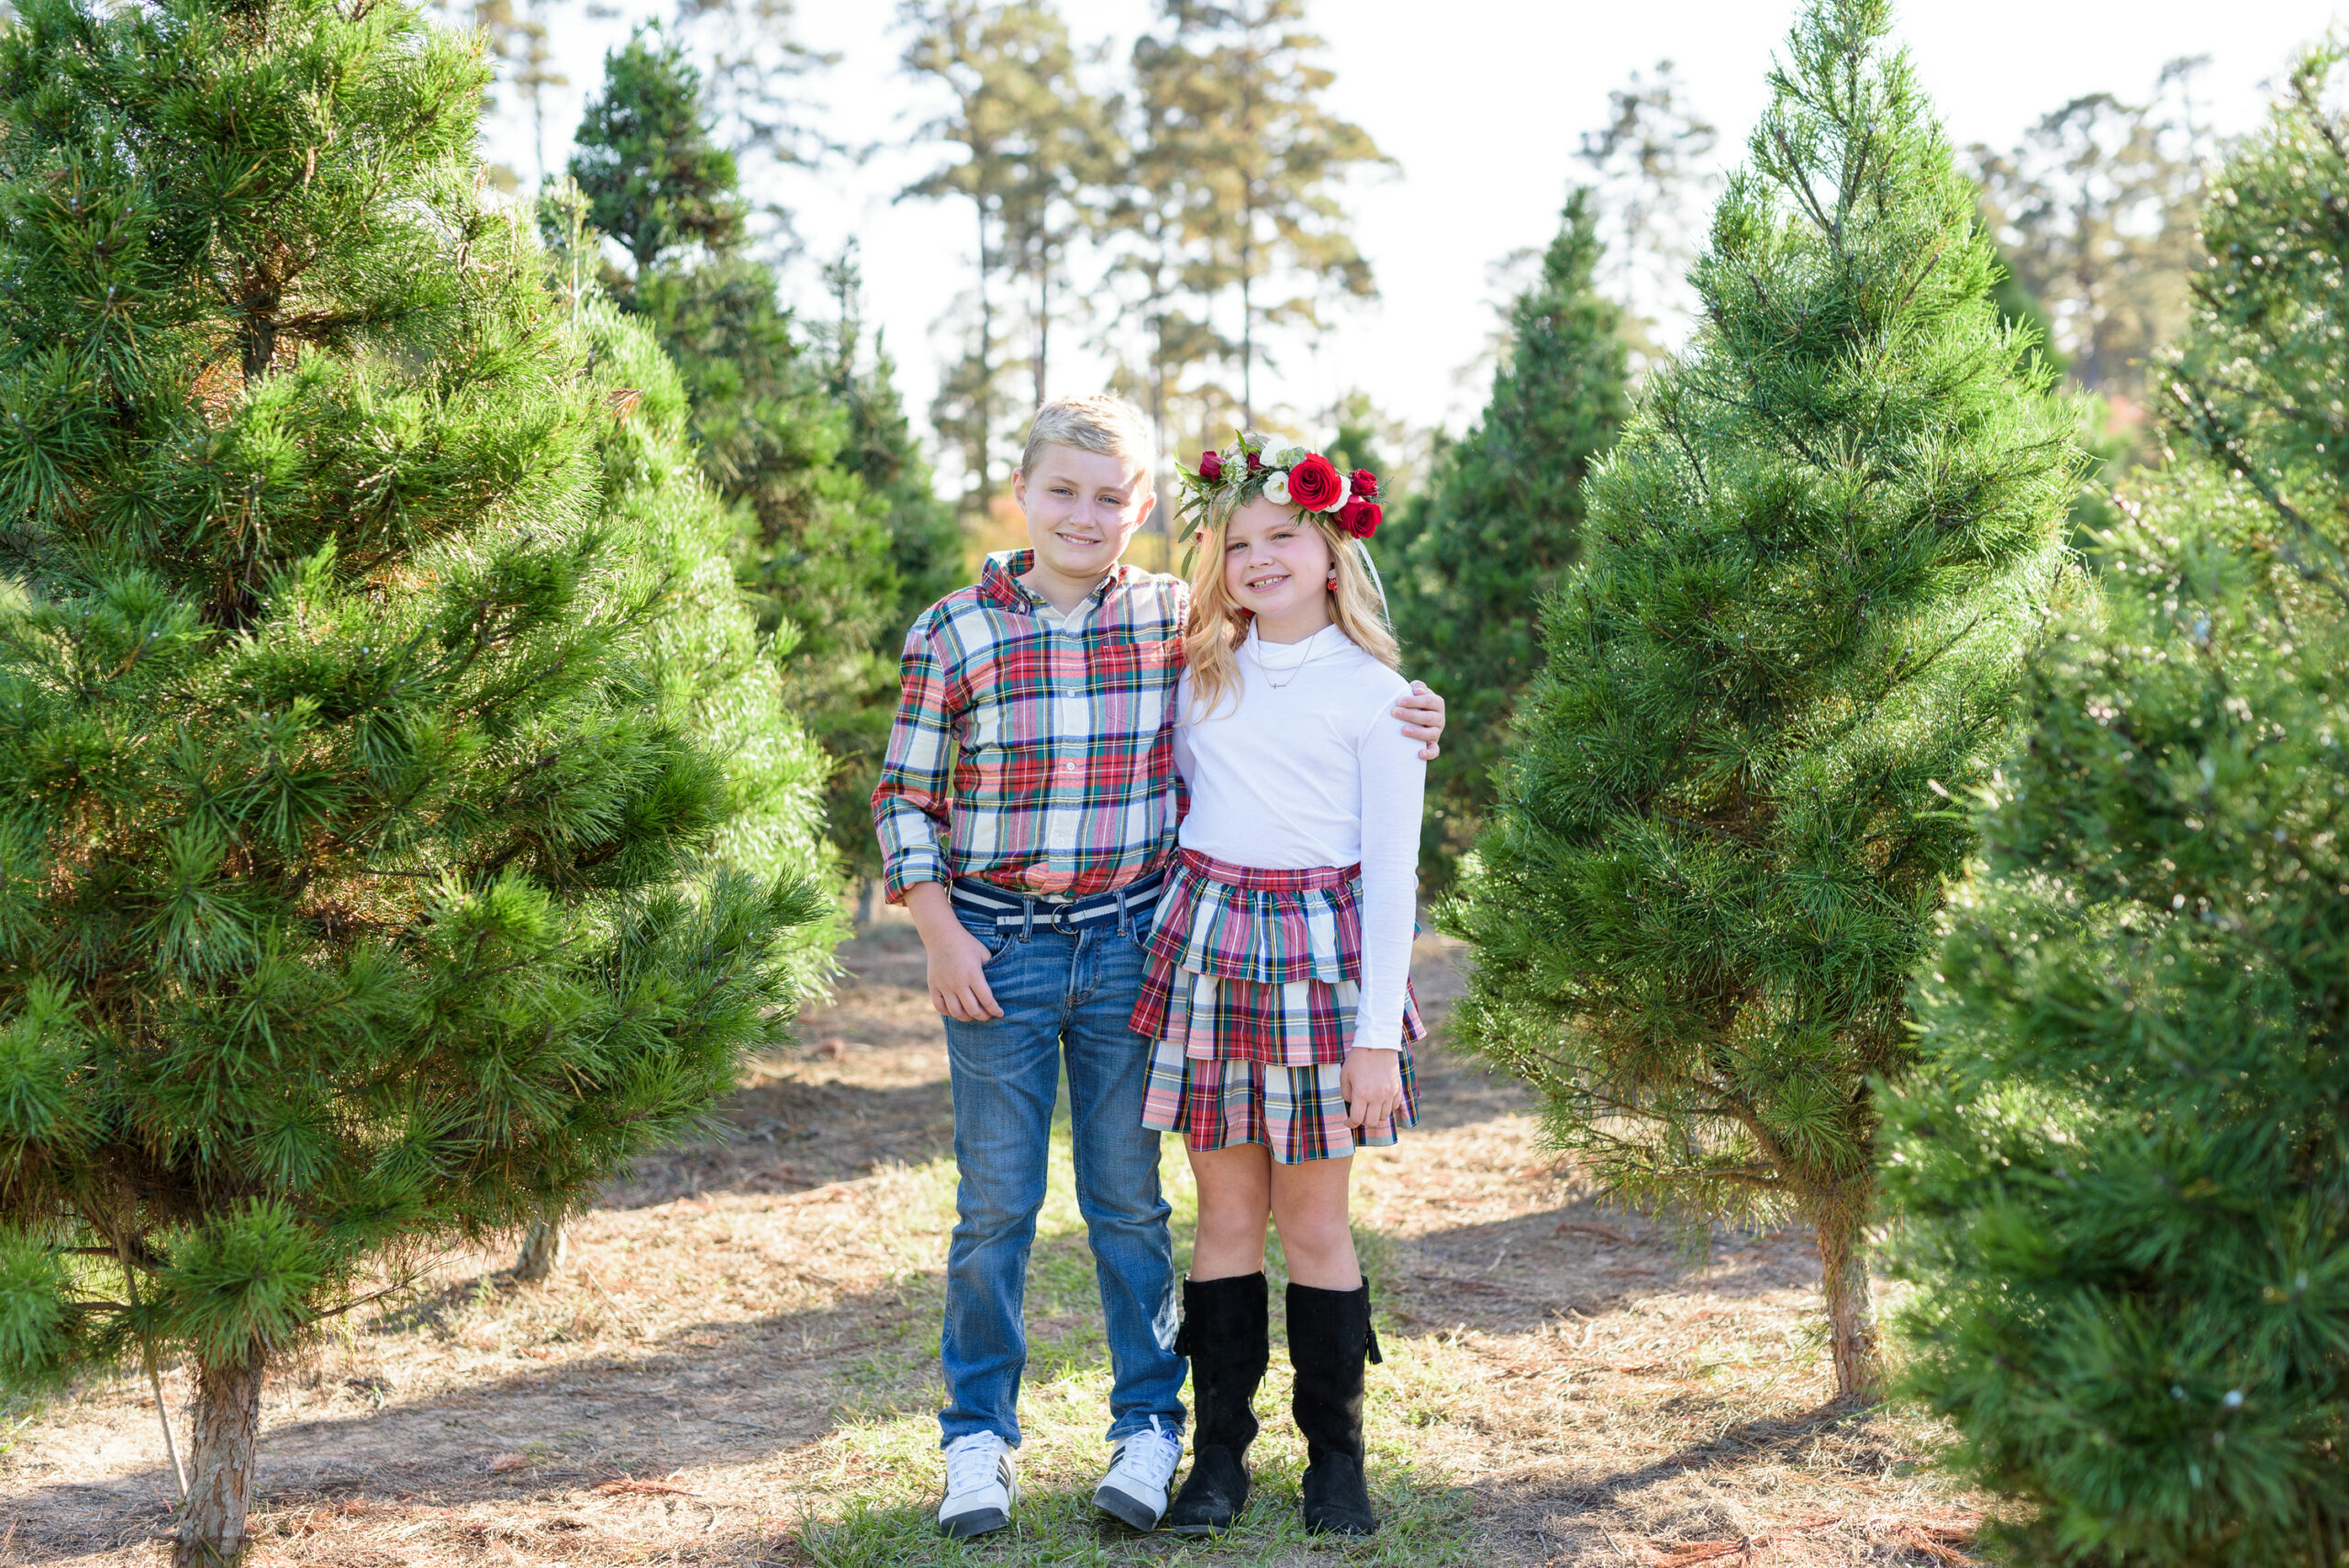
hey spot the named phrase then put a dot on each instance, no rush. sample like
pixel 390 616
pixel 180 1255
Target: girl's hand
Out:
pixel 1372 1083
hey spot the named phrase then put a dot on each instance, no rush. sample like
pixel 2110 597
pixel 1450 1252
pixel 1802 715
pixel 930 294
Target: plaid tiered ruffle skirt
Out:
pixel 1249 1000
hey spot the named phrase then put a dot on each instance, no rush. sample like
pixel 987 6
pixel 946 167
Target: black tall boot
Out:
pixel 1225 1334
pixel 1329 1337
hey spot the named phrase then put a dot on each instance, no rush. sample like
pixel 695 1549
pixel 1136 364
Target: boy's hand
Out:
pixel 1372 1083
pixel 958 960
pixel 1422 717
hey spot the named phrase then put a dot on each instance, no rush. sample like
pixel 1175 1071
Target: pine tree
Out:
pixel 656 180
pixel 2125 1161
pixel 925 551
pixel 1485 543
pixel 814 543
pixel 826 522
pixel 1810 567
pixel 2096 210
pixel 1030 138
pixel 1152 223
pixel 362 883
pixel 1652 161
pixel 1267 151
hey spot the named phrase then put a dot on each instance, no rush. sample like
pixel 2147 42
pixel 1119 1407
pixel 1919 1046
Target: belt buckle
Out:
pixel 1060 919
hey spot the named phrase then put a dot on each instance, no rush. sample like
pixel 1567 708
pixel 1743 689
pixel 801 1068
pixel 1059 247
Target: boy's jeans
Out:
pixel 1059 991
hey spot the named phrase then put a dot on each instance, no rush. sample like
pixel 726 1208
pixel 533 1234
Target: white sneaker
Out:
pixel 1141 1470
pixel 980 1491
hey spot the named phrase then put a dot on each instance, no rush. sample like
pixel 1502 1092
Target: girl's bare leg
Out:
pixel 1235 1200
pixel 1309 1204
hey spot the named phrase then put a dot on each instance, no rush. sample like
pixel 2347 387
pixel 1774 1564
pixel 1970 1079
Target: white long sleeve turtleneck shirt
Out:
pixel 1311 768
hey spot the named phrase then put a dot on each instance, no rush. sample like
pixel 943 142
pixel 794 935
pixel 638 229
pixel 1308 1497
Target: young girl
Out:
pixel 1278 991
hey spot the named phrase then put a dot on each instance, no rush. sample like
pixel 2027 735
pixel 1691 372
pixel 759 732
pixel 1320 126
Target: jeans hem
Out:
pixel 1127 1424
pixel 948 1434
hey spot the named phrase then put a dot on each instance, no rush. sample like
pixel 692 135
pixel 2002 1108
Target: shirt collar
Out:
pixel 1313 647
pixel 999 580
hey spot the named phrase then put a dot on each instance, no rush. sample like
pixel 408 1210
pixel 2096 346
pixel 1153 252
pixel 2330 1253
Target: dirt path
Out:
pixel 738 1366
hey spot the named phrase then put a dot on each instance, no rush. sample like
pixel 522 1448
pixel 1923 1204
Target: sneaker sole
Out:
pixel 963 1526
pixel 1133 1510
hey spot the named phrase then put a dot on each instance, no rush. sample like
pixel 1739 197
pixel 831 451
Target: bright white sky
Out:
pixel 1483 102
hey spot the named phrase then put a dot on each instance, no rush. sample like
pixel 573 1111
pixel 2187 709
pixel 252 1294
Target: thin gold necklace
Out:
pixel 1265 664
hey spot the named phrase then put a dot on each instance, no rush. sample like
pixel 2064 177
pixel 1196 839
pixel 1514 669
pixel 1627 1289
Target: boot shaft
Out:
pixel 1226 1332
pixel 1330 1339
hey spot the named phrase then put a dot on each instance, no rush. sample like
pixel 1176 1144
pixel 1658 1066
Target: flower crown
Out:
pixel 1288 477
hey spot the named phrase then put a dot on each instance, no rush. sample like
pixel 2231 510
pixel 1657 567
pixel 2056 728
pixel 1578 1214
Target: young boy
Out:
pixel 1026 810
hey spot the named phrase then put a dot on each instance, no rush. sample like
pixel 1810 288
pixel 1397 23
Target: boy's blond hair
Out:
pixel 1111 425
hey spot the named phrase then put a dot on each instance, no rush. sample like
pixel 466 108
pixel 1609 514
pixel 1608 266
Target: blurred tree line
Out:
pixel 1183 213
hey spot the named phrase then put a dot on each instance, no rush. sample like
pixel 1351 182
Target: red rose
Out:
pixel 1366 484
pixel 1314 484
pixel 1211 466
pixel 1360 517
pixel 1255 462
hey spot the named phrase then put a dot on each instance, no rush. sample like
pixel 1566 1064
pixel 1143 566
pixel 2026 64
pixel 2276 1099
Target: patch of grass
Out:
pixel 18 1412
pixel 885 1464
pixel 1058 1524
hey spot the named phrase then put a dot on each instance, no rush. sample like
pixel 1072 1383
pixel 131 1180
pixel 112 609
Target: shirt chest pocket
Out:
pixel 1133 685
pixel 1126 663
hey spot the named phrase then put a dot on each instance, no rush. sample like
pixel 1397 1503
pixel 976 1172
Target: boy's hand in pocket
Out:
pixel 958 960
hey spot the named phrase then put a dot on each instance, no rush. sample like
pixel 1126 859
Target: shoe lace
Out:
pixel 972 1461
pixel 1152 1454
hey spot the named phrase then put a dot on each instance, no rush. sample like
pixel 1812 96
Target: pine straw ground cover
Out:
pixel 738 1366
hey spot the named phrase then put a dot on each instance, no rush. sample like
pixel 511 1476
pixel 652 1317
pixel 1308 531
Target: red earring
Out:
pixel 1334 579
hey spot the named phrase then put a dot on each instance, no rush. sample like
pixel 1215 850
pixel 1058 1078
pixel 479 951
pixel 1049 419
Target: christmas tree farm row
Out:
pixel 404 822
pixel 1862 856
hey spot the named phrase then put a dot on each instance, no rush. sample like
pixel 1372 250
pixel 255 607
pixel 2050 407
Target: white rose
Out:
pixel 1288 457
pixel 1277 488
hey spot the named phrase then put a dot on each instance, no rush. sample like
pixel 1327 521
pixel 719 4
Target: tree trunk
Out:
pixel 1247 346
pixel 543 1250
pixel 1044 320
pixel 985 393
pixel 1165 514
pixel 1844 1278
pixel 228 1436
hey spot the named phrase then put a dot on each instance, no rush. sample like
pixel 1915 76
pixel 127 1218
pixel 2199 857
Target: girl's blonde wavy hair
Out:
pixel 1218 626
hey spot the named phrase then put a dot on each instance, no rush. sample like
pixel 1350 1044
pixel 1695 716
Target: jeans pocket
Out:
pixel 983 931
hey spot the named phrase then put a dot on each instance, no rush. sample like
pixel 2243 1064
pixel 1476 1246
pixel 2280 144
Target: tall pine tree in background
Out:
pixel 1481 547
pixel 1150 230
pixel 1810 569
pixel 2126 1162
pixel 656 182
pixel 1267 152
pixel 925 554
pixel 806 443
pixel 1651 163
pixel 357 889
pixel 2096 208
pixel 1032 139
pixel 924 542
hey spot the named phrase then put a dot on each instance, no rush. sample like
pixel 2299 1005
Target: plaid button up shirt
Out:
pixel 1031 753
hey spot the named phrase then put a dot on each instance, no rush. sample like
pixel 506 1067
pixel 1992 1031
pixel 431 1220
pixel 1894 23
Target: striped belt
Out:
pixel 1024 912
